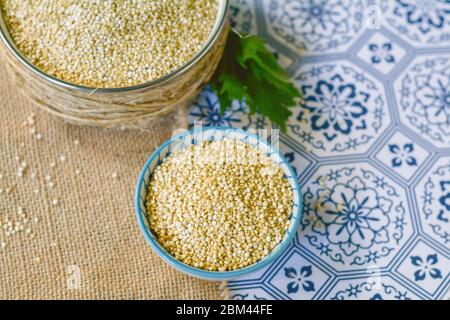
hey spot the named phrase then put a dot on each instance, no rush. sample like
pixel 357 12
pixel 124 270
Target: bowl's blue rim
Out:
pixel 215 275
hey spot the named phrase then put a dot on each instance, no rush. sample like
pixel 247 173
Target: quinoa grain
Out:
pixel 109 43
pixel 219 213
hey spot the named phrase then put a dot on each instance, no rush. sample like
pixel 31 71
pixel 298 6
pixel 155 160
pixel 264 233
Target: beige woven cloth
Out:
pixel 85 242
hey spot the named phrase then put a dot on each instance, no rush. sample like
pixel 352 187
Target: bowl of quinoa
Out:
pixel 218 203
pixel 97 61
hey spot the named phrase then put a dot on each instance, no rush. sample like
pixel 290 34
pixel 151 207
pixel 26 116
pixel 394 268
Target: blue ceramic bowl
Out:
pixel 212 134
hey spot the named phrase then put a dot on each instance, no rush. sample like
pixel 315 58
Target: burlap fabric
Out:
pixel 91 225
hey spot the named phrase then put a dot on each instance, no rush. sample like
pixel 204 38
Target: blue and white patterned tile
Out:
pixel 373 287
pixel 402 156
pixel 258 276
pixel 426 269
pixel 297 277
pixel 381 53
pixel 243 16
pixel 419 22
pixel 423 98
pixel 433 201
pixel 282 59
pixel 315 26
pixel 374 126
pixel 255 277
pixel 206 110
pixel 251 293
pixel 446 295
pixel 344 109
pixel 354 216
pixel 299 161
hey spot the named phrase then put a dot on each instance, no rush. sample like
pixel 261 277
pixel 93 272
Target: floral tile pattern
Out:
pixel 370 288
pixel 423 97
pixel 370 144
pixel 419 22
pixel 402 156
pixel 298 278
pixel 243 16
pixel 426 268
pixel 207 110
pixel 433 202
pixel 298 159
pixel 381 53
pixel 315 25
pixel 354 217
pixel 344 109
pixel 251 293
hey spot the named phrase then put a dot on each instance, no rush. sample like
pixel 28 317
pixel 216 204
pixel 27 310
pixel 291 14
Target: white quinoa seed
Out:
pixel 14 225
pixel 219 215
pixel 109 43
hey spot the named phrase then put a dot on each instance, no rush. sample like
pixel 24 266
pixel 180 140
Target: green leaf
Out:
pixel 250 72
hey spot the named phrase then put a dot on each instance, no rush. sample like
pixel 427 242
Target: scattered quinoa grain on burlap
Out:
pixel 219 205
pixel 114 260
pixel 109 43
